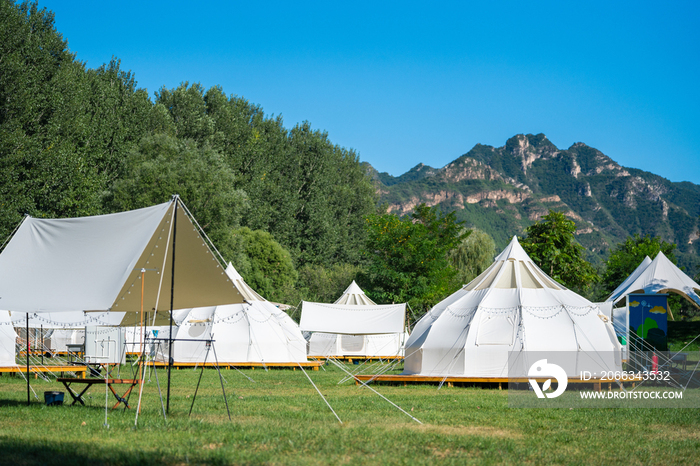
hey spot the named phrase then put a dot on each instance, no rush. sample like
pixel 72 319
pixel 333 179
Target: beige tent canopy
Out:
pixel 96 264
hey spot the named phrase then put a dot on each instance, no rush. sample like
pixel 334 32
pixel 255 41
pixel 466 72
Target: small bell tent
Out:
pixel 354 326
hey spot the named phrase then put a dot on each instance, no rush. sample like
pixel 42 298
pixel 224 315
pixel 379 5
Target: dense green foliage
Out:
pixel 163 165
pixel 324 284
pixel 472 256
pixel 408 258
pixel 267 266
pixel 550 243
pixel 308 193
pixel 64 130
pixel 76 141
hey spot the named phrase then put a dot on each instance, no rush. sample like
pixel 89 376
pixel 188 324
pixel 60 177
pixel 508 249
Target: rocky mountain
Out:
pixel 502 190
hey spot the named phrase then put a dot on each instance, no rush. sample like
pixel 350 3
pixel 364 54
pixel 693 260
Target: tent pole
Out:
pixel 28 388
pixel 172 291
pixel 142 330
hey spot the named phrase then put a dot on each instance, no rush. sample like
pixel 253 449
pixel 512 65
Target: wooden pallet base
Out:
pixel 314 365
pixel 450 381
pixel 351 358
pixel 43 369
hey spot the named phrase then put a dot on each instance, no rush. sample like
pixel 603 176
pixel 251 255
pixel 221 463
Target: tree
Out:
pixel 627 256
pixel 268 268
pixel 408 257
pixel 550 243
pixel 325 284
pixel 309 194
pixel 162 166
pixel 64 130
pixel 473 255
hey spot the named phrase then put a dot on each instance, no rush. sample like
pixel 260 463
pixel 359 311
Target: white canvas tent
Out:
pixel 629 280
pixel 511 307
pixel 658 276
pixel 8 338
pixel 252 332
pixel 354 326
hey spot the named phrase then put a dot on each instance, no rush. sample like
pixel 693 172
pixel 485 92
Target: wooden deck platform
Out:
pixel 351 359
pixel 450 381
pixel 80 370
pixel 314 365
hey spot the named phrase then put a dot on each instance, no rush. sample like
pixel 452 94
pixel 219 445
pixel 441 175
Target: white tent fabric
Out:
pixel 511 306
pixel 355 296
pixel 251 332
pixel 59 339
pixel 246 291
pixel 340 345
pixel 354 326
pixel 352 319
pixel 8 338
pixel 95 263
pixel 255 331
pixel 659 276
pixel 614 297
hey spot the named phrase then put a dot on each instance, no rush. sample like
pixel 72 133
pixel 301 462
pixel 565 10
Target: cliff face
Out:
pixel 502 190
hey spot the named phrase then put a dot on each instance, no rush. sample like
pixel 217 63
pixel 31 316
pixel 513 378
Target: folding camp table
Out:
pixel 78 397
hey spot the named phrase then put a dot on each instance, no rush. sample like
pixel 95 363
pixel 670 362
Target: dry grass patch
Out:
pixel 471 431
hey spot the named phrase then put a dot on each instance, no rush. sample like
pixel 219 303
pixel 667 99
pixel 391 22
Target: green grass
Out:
pixel 280 419
pixel 681 336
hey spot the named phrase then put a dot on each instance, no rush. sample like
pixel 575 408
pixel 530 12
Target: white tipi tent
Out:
pixel 511 307
pixel 354 326
pixel 255 331
pixel 658 276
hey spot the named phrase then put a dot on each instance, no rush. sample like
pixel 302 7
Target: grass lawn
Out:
pixel 279 418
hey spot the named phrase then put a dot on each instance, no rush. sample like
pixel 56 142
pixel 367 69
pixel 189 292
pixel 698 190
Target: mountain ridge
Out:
pixel 502 190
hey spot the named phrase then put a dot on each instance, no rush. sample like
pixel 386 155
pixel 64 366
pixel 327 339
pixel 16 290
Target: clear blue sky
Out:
pixel 410 82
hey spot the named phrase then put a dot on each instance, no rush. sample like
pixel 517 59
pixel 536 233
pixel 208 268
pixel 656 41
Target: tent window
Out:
pixel 507 279
pixel 487 282
pixel 527 279
pixel 544 279
pixel 472 284
pixel 352 343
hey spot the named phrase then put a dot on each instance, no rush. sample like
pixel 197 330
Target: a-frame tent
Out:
pixel 354 326
pixel 256 331
pixel 152 259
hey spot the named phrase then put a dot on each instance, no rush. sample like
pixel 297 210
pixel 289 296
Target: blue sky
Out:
pixel 404 83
